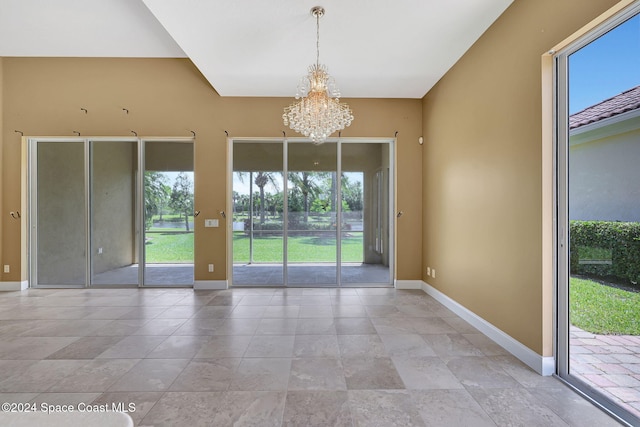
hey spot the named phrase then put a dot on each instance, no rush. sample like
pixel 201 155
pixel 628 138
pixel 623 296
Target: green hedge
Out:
pixel 294 226
pixel 622 239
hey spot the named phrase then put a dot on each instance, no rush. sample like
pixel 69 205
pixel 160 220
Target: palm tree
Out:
pixel 261 180
pixel 306 183
pixel 156 193
pixel 181 200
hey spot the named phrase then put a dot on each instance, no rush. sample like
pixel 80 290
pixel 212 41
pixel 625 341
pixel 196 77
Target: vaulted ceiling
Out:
pixel 373 48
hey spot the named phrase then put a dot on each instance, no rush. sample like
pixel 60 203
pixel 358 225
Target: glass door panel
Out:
pixel 365 253
pixel 312 214
pixel 258 214
pixel 61 221
pixel 599 277
pixel 114 231
pixel 168 213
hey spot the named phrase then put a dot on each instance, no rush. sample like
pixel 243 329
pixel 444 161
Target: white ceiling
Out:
pixel 373 48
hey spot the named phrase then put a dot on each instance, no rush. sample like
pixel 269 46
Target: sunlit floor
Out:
pixel 352 274
pixel 154 274
pixel 270 357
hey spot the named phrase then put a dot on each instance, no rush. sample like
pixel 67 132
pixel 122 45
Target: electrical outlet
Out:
pixel 7 269
pixel 433 273
pixel 428 271
pixel 210 268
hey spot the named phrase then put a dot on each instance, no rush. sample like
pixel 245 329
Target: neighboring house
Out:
pixel 604 174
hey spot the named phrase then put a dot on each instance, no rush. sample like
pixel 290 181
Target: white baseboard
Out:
pixel 543 365
pixel 14 286
pixel 211 285
pixel 408 284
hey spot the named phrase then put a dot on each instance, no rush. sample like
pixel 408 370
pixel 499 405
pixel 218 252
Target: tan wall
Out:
pixel 482 192
pixel 169 97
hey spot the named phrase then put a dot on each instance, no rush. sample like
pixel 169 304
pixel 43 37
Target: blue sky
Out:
pixel 606 67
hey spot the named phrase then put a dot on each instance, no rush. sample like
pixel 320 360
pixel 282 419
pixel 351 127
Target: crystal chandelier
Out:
pixel 318 112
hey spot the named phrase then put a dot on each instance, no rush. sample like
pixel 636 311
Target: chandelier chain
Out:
pixel 317 38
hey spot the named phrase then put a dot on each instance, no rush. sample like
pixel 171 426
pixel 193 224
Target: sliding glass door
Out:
pixel 598 235
pixel 331 229
pixel 95 220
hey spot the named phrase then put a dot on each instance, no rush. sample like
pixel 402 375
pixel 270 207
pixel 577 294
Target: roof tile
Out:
pixel 626 101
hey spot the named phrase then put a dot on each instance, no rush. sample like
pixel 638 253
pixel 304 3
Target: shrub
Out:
pixel 621 238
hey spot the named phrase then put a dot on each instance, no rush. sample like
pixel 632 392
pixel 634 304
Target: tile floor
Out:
pixel 271 357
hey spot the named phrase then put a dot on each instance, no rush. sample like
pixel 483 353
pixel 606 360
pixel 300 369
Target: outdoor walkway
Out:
pixel 610 363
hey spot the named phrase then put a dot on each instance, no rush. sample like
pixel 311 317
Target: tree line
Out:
pixel 160 196
pixel 308 192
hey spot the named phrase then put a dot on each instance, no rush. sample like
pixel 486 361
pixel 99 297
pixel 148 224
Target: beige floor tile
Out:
pixel 85 348
pixel 383 408
pixel 179 347
pixel 206 375
pixel 450 408
pixel 316 346
pixel 137 403
pixel 425 373
pixel 132 347
pixel 224 346
pixel 317 409
pixel 262 374
pixel 371 374
pixel 95 376
pixel 40 376
pixel 150 375
pixel 515 407
pixel 270 346
pixel 274 356
pixel 317 374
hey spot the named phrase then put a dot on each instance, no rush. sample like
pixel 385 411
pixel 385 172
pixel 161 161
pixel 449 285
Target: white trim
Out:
pixel 210 285
pixel 541 364
pixel 14 286
pixel 408 284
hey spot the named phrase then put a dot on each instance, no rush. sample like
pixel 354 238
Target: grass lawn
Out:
pixel 301 248
pixel 601 309
pixel 162 247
